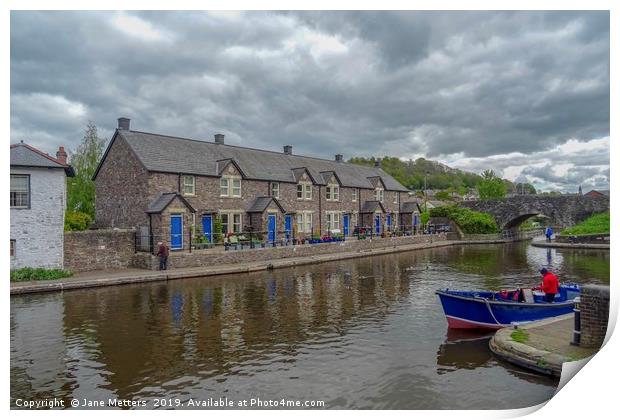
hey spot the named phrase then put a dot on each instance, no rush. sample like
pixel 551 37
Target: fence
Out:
pixel 249 239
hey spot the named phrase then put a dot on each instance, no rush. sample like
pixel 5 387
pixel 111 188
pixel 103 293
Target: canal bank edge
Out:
pixel 546 351
pixel 107 278
pixel 542 244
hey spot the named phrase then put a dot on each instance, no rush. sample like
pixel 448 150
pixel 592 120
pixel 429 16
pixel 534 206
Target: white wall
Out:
pixel 38 231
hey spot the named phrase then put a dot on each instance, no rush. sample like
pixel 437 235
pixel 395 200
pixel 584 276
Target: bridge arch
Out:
pixel 562 211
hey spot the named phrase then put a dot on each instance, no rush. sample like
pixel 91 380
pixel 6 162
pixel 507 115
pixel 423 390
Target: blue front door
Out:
pixel 271 228
pixel 389 221
pixel 377 224
pixel 288 225
pixel 176 231
pixel 207 225
pixel 345 224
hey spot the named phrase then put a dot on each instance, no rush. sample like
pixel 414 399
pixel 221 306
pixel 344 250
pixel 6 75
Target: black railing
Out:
pixel 250 239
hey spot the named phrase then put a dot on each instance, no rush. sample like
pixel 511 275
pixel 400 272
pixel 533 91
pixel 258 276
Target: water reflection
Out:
pixel 365 333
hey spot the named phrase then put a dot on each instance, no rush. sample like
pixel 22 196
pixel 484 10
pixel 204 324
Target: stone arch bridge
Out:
pixel 563 211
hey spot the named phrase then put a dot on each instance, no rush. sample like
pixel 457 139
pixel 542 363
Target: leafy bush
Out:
pixel 468 220
pixel 425 217
pixel 598 223
pixel 28 273
pixel 75 220
pixel 217 230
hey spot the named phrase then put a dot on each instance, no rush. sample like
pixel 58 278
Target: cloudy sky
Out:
pixel 523 93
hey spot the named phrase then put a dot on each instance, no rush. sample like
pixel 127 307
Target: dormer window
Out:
pixel 304 191
pixel 332 192
pixel 274 189
pixel 379 194
pixel 230 186
pixel 188 185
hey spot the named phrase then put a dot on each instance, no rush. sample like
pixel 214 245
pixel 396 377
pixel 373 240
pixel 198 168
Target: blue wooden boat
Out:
pixel 494 310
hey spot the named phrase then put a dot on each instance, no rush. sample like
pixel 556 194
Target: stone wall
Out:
pixel 99 249
pixel 38 229
pixel 120 189
pixel 219 256
pixel 594 307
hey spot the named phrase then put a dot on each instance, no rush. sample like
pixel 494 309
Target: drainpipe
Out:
pixel 320 213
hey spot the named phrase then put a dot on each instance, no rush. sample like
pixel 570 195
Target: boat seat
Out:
pixel 528 295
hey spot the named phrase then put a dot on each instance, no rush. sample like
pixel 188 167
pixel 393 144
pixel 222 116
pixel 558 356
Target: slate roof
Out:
pixel 372 206
pixel 160 203
pixel 161 153
pixel 410 207
pixel 260 204
pixel 23 154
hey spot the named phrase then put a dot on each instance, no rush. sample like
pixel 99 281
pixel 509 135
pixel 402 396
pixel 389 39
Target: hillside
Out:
pixel 411 173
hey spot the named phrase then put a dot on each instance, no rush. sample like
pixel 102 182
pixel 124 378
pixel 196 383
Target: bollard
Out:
pixel 577 330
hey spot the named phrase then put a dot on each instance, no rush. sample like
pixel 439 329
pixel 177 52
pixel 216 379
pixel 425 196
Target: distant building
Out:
pixel 38 201
pixel 597 193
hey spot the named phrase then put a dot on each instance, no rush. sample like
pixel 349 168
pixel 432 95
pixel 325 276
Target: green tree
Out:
pixel 491 186
pixel 81 188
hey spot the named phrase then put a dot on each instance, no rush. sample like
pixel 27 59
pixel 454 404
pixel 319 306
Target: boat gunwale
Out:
pixel 480 299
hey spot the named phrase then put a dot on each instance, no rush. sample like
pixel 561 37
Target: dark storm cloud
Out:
pixel 473 84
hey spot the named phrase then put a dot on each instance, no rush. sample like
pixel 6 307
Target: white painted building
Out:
pixel 38 201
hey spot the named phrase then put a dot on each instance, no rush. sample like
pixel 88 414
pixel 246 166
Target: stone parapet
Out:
pixel 594 307
pixel 99 249
pixel 212 257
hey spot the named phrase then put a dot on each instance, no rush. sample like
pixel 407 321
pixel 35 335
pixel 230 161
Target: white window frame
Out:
pixel 332 192
pixel 396 195
pixel 354 199
pixel 234 193
pixel 333 220
pixel 274 189
pixel 379 194
pixel 227 184
pixel 224 189
pixel 304 221
pixel 305 190
pixel 234 222
pixel 227 223
pixel 21 193
pixel 237 225
pixel 188 188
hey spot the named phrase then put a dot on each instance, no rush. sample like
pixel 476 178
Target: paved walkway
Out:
pixel 553 244
pixel 130 276
pixel 543 345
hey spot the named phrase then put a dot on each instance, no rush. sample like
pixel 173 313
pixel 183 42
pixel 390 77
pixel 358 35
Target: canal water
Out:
pixel 361 333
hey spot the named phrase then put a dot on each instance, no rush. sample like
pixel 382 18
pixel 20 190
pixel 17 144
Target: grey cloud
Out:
pixel 358 83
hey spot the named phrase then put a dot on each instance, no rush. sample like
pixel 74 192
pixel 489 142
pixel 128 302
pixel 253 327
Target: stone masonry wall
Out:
pixel 121 189
pixel 38 230
pixel 99 249
pixel 594 307
pixel 218 256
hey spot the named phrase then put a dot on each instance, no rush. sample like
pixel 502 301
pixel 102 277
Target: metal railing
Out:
pixel 250 239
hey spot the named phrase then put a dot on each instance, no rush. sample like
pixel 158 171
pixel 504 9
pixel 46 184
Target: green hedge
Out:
pixel 469 221
pixel 28 273
pixel 75 220
pixel 598 223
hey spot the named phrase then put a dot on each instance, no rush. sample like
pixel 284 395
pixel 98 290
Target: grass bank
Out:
pixel 598 223
pixel 29 274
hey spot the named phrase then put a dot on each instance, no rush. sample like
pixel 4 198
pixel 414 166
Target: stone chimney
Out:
pixel 219 139
pixel 61 155
pixel 288 150
pixel 338 157
pixel 377 163
pixel 123 123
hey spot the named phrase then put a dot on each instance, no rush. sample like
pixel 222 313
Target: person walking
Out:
pixel 550 285
pixel 163 252
pixel 548 233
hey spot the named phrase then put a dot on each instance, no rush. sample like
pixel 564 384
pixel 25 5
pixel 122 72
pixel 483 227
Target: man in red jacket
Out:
pixel 550 284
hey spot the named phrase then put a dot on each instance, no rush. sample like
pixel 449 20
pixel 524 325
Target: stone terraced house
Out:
pixel 169 186
pixel 38 201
